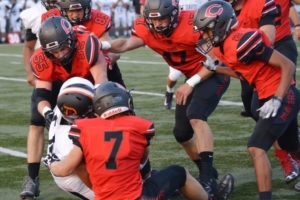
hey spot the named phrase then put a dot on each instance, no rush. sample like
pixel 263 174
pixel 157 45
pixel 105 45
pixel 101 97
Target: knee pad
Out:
pixel 182 135
pixel 174 74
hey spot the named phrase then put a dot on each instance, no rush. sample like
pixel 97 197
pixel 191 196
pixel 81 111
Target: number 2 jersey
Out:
pixel 178 50
pixel 112 151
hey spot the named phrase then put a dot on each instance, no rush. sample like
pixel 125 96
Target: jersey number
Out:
pixel 182 55
pixel 118 136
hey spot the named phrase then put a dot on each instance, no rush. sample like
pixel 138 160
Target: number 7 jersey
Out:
pixel 112 150
pixel 178 50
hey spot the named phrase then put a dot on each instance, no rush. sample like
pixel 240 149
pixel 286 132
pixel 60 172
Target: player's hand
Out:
pixel 49 159
pixel 209 63
pixel 182 94
pixel 31 79
pixel 105 45
pixel 49 115
pixel 270 108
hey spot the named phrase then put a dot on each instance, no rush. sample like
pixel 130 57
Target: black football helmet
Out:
pixel 217 16
pixel 159 9
pixel 75 99
pixel 55 32
pixel 111 98
pixel 65 5
pixel 49 4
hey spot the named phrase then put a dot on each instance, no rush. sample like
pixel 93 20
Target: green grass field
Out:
pixel 146 74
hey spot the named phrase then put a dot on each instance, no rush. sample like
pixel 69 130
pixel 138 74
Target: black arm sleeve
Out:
pixel 29 36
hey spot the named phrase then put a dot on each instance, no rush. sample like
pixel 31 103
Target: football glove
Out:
pixel 49 115
pixel 49 159
pixel 209 63
pixel 270 108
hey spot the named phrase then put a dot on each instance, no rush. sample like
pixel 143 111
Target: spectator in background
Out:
pixel 120 10
pixel 106 6
pixel 4 15
pixel 137 7
pixel 130 15
pixel 14 17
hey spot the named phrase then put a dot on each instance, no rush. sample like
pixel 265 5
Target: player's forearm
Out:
pixel 27 53
pixel 226 71
pixel 118 46
pixel 60 169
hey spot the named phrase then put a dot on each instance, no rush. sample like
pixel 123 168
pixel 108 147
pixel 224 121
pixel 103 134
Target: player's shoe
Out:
pixel 30 188
pixel 245 113
pixel 225 187
pixel 168 100
pixel 297 187
pixel 288 164
pixel 209 186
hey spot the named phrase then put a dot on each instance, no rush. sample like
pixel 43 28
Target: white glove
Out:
pixel 270 108
pixel 49 159
pixel 209 63
pixel 105 45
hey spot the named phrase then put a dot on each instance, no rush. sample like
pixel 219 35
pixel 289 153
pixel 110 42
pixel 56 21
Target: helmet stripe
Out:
pixel 78 90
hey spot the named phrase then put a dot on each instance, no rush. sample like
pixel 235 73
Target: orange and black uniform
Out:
pixel 179 51
pixel 247 52
pixel 112 150
pixel 99 23
pixel 86 55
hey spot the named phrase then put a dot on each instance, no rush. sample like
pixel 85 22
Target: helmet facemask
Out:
pixel 49 4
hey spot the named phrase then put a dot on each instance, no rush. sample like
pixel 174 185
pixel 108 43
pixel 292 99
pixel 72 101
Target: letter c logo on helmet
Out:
pixel 213 10
pixel 66 26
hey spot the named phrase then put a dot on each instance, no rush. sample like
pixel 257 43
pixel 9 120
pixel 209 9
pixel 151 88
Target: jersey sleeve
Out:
pixel 41 66
pixel 139 28
pixel 268 13
pixel 251 47
pixel 74 135
pixel 92 50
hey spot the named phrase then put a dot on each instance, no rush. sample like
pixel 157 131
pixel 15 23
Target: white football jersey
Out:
pixel 190 4
pixel 105 6
pixel 120 9
pixel 31 19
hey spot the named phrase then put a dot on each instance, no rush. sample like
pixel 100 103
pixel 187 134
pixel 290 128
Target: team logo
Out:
pixel 213 10
pixel 68 111
pixel 66 26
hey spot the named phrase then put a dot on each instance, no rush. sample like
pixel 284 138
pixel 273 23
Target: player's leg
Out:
pixel 172 79
pixel 35 147
pixel 117 22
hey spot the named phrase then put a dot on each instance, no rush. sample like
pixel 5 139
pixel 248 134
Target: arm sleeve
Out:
pixel 251 47
pixel 268 13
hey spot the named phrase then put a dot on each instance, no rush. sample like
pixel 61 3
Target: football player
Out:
pixel 170 34
pixel 249 55
pixel 115 145
pixel 79 13
pixel 31 19
pixel 74 101
pixel 268 20
pixel 120 18
pixel 64 53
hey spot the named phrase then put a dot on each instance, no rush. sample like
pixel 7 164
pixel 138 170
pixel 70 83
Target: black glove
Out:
pixel 49 115
pixel 49 159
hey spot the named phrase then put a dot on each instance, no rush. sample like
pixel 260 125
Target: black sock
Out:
pixel 265 195
pixel 33 170
pixel 198 163
pixel 206 159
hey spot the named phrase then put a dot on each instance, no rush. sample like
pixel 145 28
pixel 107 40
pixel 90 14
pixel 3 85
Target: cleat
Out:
pixel 168 100
pixel 297 187
pixel 288 164
pixel 209 186
pixel 225 187
pixel 30 188
pixel 245 113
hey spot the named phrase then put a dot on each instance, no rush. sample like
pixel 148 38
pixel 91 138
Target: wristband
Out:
pixel 105 45
pixel 277 98
pixel 45 109
pixel 194 80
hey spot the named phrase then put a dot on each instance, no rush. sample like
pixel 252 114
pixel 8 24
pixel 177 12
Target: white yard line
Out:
pixel 13 152
pixel 225 103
